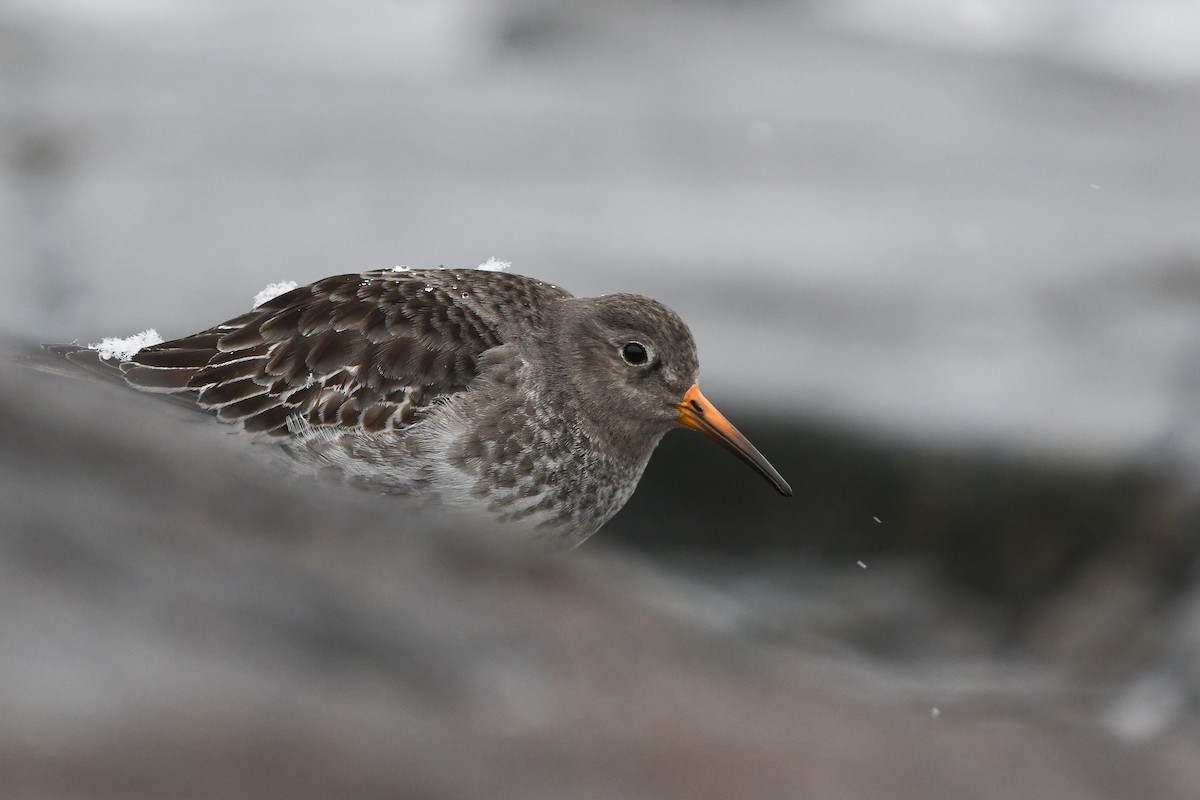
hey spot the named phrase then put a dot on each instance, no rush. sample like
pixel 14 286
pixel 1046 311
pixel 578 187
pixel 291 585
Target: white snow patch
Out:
pixel 494 264
pixel 401 268
pixel 124 349
pixel 272 291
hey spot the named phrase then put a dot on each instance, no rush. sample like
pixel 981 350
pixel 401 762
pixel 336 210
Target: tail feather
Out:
pixel 88 360
pixel 169 383
pixel 173 357
pixel 157 379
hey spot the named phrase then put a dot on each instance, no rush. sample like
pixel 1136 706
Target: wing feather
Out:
pixel 366 352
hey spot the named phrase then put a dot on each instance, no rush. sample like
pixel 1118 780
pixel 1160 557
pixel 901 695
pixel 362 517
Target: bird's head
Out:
pixel 634 362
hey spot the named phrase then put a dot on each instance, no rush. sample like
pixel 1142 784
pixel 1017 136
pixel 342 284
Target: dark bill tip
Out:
pixel 698 414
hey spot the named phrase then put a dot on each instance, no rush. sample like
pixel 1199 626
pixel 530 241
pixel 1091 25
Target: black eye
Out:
pixel 635 353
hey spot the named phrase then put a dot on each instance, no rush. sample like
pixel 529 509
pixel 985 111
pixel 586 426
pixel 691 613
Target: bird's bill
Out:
pixel 698 414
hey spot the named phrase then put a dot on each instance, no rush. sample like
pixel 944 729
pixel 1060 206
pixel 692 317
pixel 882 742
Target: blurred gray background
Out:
pixel 953 218
pixel 941 258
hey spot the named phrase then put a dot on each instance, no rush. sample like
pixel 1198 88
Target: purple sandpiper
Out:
pixel 487 392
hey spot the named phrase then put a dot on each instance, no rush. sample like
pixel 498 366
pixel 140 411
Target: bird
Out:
pixel 488 393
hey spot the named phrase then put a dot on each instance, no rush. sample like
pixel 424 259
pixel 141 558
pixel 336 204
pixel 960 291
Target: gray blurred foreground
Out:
pixel 179 623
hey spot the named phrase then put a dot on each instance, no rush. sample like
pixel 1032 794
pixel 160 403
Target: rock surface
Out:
pixel 181 622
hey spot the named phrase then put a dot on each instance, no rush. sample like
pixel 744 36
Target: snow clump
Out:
pixel 124 349
pixel 272 291
pixel 494 264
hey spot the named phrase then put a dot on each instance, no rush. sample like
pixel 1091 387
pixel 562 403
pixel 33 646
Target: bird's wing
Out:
pixel 366 352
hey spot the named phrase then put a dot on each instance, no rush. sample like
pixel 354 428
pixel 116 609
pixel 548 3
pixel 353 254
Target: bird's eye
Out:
pixel 635 353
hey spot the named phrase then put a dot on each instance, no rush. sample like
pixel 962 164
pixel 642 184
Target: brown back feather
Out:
pixel 370 351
